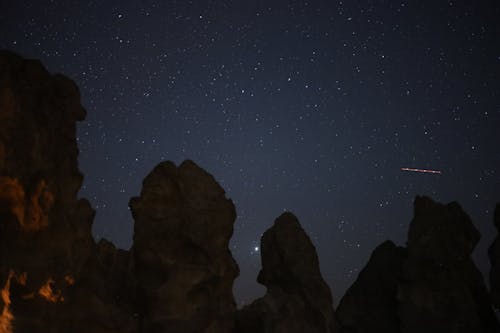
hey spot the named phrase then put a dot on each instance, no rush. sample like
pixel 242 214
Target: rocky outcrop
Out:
pixel 297 298
pixel 45 230
pixel 441 289
pixel 370 304
pixel 494 254
pixel 184 269
pixel 434 287
pixel 53 276
pixel 179 274
pixel 103 299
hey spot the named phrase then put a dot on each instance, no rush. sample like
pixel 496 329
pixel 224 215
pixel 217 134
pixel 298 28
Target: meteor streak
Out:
pixel 421 170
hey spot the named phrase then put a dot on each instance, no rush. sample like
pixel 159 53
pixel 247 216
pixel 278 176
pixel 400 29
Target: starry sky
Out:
pixel 312 107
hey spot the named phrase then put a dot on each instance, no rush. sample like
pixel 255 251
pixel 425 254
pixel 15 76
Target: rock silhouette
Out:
pixel 494 254
pixel 370 304
pixel 297 298
pixel 179 273
pixel 184 269
pixel 432 285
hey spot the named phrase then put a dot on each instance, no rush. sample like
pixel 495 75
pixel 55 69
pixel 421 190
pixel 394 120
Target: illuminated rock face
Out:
pixel 45 231
pixel 297 298
pixel 183 266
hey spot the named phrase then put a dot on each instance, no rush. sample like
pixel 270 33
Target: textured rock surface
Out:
pixel 370 304
pixel 434 287
pixel 46 248
pixel 494 254
pixel 297 298
pixel 45 231
pixel 103 299
pixel 184 269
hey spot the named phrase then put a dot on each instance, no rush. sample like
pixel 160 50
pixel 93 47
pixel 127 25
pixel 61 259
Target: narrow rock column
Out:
pixel 184 269
pixel 297 298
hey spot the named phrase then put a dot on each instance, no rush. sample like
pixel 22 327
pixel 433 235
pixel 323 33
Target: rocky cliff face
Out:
pixel 432 285
pixel 45 231
pixel 53 276
pixel 184 269
pixel 494 254
pixel 297 298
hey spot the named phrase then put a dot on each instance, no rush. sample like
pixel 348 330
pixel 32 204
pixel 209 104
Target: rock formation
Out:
pixel 434 287
pixel 441 289
pixel 184 269
pixel 45 231
pixel 370 304
pixel 53 275
pixel 297 298
pixel 179 274
pixel 494 254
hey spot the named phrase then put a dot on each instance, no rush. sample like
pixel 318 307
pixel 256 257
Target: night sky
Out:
pixel 301 106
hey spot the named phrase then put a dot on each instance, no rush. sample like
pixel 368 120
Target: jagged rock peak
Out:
pixel 370 304
pixel 184 269
pixel 297 298
pixel 432 286
pixel 289 257
pixel 441 232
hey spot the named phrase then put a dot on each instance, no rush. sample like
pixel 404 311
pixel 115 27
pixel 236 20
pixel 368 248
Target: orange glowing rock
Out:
pixel 32 215
pixel 22 278
pixel 70 280
pixel 12 193
pixel 47 292
pixel 41 202
pixel 6 317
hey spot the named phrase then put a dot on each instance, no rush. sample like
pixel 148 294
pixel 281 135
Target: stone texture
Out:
pixel 494 254
pixel 47 252
pixel 103 299
pixel 370 304
pixel 297 298
pixel 184 269
pixel 45 230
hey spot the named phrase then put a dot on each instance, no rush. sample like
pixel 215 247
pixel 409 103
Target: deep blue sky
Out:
pixel 311 107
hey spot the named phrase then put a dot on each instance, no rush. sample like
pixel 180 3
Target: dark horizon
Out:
pixel 308 107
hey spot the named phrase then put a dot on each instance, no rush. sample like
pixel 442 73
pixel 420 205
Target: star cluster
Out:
pixel 311 107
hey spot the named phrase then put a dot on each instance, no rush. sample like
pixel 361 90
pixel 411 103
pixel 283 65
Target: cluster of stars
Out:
pixel 314 107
